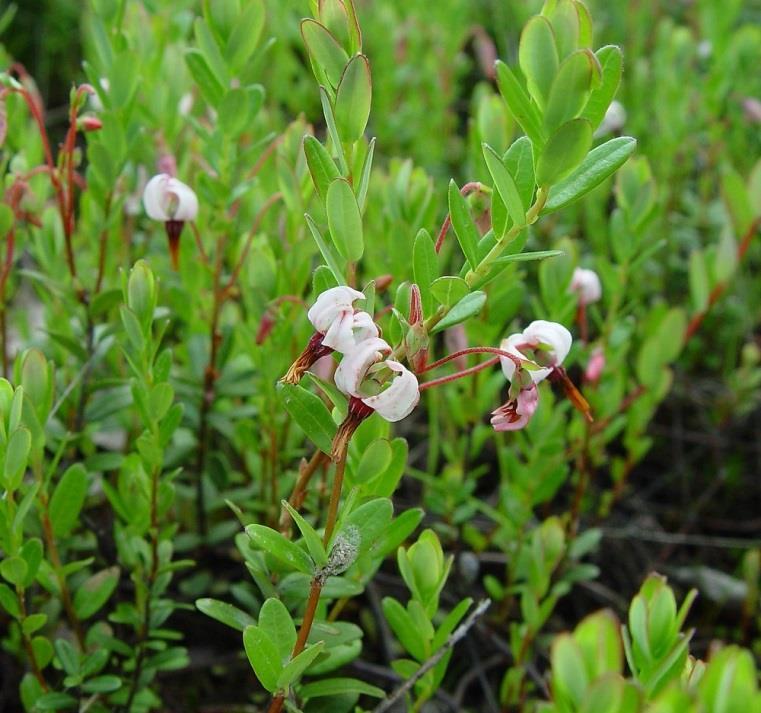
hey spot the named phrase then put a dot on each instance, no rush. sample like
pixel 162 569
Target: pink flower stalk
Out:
pixel 586 283
pixel 517 412
pixel 171 201
pixel 595 366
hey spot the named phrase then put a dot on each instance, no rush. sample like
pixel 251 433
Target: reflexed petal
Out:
pixel 353 367
pixel 400 398
pixel 330 304
pixel 153 197
pixel 186 202
pixel 554 335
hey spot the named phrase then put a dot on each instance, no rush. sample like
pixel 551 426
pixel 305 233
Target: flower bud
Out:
pixel 89 123
pixel 586 283
pixel 595 366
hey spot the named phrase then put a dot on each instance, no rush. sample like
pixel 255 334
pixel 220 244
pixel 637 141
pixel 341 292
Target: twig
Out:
pixel 455 636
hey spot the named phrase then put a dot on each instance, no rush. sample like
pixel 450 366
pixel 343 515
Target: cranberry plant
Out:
pixel 261 374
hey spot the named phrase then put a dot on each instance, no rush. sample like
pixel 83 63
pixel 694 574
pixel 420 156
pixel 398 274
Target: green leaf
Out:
pixel 245 35
pixel 425 267
pixel 449 290
pixel 462 223
pixel 329 57
pixel 310 413
pixel 353 99
pixel 282 549
pixel 263 656
pixel 364 179
pixel 94 592
pixel 612 63
pixel 571 88
pixel 337 686
pixel 519 104
pixel 276 622
pixel 55 701
pixel 102 684
pixel 9 601
pixel 527 257
pixel 68 498
pixel 600 163
pixel 225 613
pixel 311 538
pixel 467 307
pixel 538 57
pixel 700 287
pixel 13 569
pixel 211 89
pixel 404 628
pixel 564 151
pixel 208 46
pixel 294 668
pixel 330 121
pixel 519 161
pixel 505 184
pixel 344 220
pixel 16 457
pixel 33 622
pixel 326 250
pixel 374 461
pixel 322 167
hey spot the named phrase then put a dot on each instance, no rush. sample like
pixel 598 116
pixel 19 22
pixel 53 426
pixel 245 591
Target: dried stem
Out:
pixel 306 471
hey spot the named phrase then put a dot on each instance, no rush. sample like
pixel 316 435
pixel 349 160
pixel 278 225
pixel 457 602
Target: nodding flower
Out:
pixel 595 366
pixel 338 327
pixel 586 283
pixel 333 315
pixel 171 201
pixel 545 344
pixel 385 385
pixel 542 346
pixel 517 412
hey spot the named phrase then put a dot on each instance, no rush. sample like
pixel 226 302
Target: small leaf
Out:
pixel 538 57
pixel 519 161
pixel 527 257
pixel 571 88
pixel 326 250
pixel 94 592
pixel 467 307
pixel 329 57
pixel 353 98
pixel 564 151
pixel 294 668
pixel 263 656
pixel 462 223
pixel 344 220
pixel 612 62
pixel 600 163
pixel 311 538
pixel 337 686
pixel 425 267
pixel 505 184
pixel 700 287
pixel 276 622
pixel 16 457
pixel 13 569
pixel 322 167
pixel 519 104
pixel 449 290
pixel 310 413
pixel 225 613
pixel 374 461
pixel 282 549
pixel 68 498
pixel 211 89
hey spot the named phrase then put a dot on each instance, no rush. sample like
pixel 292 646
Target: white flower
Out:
pixel 399 398
pixel 353 367
pixel 550 343
pixel 333 315
pixel 587 284
pixel 167 199
pixel 614 119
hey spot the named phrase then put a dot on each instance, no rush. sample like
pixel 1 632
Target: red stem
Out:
pixel 459 375
pixel 474 350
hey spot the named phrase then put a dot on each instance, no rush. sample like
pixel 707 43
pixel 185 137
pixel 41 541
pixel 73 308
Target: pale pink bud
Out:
pixel 168 199
pixel 89 123
pixel 550 343
pixel 456 340
pixel 324 367
pixel 595 366
pixel 586 283
pixel 516 413
pixel 399 398
pixel 352 370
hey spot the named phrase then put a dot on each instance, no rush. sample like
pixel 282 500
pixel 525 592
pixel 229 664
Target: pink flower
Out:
pixel 587 284
pixel 353 368
pixel 595 366
pixel 543 344
pixel 399 398
pixel 516 413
